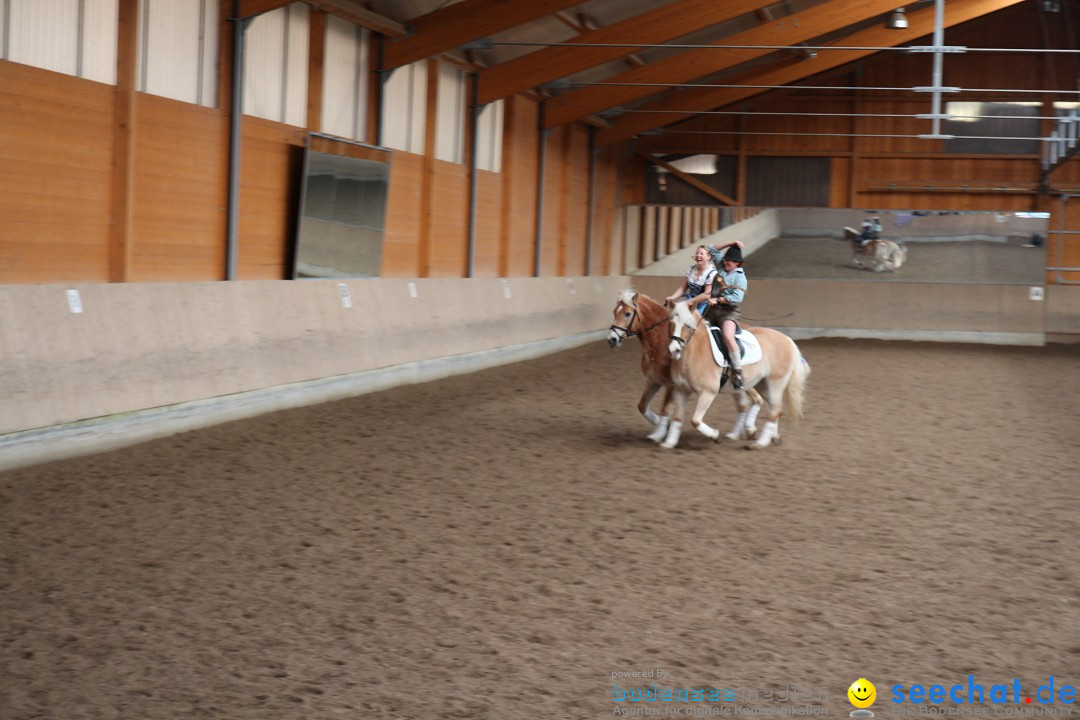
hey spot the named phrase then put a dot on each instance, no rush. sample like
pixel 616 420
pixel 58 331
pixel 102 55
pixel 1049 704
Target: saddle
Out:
pixel 749 348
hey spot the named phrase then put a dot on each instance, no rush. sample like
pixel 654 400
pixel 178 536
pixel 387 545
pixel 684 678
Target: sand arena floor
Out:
pixel 498 545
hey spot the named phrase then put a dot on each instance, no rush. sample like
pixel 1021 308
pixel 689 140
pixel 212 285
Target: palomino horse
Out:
pixel 877 254
pixel 638 315
pixel 782 372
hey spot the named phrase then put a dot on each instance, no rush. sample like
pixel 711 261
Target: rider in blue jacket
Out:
pixel 724 307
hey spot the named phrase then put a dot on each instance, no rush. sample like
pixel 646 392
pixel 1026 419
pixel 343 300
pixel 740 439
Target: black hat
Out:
pixel 734 253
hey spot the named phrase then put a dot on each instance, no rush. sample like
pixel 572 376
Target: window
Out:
pixel 178 49
pixel 345 88
pixel 74 37
pixel 489 134
pixel 450 133
pixel 404 108
pixel 990 127
pixel 275 65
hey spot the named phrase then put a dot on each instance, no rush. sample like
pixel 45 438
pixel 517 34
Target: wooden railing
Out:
pixel 655 231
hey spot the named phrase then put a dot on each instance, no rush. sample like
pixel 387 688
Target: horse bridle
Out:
pixel 628 333
pixel 682 341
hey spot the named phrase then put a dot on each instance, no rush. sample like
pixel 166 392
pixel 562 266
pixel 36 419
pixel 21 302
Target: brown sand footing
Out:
pixel 497 545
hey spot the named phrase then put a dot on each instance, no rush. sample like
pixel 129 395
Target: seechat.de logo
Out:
pixel 974 692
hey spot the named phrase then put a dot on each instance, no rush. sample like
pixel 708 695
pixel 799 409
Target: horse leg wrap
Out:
pixel 750 424
pixel 674 431
pixel 661 430
pixel 708 431
pixel 737 428
pixel 651 416
pixel 768 431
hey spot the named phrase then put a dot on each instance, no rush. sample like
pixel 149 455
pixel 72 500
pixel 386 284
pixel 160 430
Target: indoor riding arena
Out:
pixel 310 406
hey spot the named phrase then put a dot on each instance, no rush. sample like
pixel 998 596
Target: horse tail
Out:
pixel 899 256
pixel 793 394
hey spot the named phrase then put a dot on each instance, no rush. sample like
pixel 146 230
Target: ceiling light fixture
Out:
pixel 897 20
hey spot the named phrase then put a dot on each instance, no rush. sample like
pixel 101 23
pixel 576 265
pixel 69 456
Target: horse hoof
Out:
pixel 667 446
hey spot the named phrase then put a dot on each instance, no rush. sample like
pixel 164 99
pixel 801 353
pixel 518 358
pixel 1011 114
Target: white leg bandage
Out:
pixel 709 432
pixel 750 426
pixel 674 431
pixel 737 428
pixel 768 431
pixel 660 432
pixel 651 416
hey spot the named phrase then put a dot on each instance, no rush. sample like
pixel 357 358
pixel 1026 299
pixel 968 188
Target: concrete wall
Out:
pixel 997 314
pixel 827 222
pixel 207 352
pixel 146 360
pixel 1063 313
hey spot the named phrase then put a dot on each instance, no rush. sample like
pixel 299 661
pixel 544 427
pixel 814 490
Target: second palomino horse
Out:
pixel 877 254
pixel 780 373
pixel 638 315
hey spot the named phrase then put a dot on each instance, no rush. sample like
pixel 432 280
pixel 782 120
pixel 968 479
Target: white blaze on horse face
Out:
pixel 680 319
pixel 620 324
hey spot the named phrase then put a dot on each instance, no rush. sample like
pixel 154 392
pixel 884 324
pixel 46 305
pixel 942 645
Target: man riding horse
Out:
pixel 729 289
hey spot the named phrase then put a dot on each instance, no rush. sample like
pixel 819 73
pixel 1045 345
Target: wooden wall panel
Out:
pixel 551 245
pixel 450 215
pixel 401 240
pixel 840 191
pixel 488 224
pixel 576 194
pixel 57 171
pixel 786 134
pixel 1063 249
pixel 875 132
pixel 270 175
pixel 520 163
pixel 608 216
pixel 181 179
pixel 55 177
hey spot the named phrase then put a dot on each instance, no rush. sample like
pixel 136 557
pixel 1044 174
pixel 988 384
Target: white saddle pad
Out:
pixel 750 346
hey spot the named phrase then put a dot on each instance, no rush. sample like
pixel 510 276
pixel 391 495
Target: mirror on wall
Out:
pixel 941 246
pixel 342 212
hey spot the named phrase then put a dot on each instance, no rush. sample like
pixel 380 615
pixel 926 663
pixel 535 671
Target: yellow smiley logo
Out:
pixel 862 693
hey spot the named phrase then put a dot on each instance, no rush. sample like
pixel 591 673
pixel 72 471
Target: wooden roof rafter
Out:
pixel 689 103
pixel 655 27
pixel 455 25
pixel 349 10
pixel 688 179
pixel 690 65
pixel 584 24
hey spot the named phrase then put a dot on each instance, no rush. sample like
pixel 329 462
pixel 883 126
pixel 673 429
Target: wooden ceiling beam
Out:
pixel 692 64
pixel 586 24
pixel 689 179
pixel 649 28
pixel 251 8
pixel 357 14
pixel 454 25
pixel 349 10
pixel 687 104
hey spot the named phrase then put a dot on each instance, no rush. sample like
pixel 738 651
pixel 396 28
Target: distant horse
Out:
pixel 782 372
pixel 638 315
pixel 877 254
